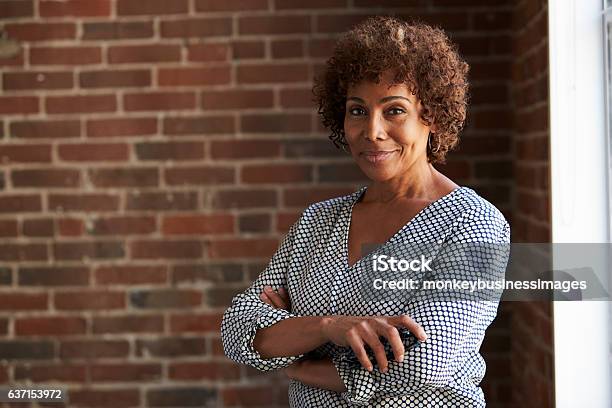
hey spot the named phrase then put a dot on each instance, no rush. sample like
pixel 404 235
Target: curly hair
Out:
pixel 420 56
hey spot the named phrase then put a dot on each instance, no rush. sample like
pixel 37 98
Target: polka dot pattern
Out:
pixel 312 262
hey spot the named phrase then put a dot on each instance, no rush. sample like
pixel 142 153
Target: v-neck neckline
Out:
pixel 347 224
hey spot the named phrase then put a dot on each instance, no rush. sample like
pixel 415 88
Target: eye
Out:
pixel 398 111
pixel 355 111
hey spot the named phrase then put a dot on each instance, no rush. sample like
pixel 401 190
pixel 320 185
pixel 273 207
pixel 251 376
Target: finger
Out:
pixel 390 333
pixel 414 327
pixel 356 344
pixel 371 338
pixel 265 299
pixel 275 298
pixel 284 294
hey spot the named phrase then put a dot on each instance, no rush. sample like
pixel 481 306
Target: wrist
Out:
pixel 324 323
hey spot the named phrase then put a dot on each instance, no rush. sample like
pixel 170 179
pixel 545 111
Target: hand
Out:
pixel 357 331
pixel 279 300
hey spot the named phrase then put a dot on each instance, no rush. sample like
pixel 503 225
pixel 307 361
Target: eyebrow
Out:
pixel 383 100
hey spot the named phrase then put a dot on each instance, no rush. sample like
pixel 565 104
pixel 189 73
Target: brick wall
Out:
pixel 155 152
pixel 532 325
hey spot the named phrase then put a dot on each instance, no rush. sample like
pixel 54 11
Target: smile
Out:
pixel 377 157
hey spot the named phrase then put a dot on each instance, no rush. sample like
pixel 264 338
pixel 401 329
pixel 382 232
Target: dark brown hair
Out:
pixel 421 56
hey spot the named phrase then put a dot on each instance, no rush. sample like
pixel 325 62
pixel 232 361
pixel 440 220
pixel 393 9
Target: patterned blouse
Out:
pixel 312 262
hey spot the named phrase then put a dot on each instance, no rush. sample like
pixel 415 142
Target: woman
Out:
pixel 394 96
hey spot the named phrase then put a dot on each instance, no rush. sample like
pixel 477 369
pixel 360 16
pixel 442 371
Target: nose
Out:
pixel 375 129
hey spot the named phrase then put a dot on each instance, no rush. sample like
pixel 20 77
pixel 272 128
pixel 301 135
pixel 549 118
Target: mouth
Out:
pixel 377 156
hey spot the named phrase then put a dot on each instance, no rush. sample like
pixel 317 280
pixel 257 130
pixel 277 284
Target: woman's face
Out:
pixel 383 128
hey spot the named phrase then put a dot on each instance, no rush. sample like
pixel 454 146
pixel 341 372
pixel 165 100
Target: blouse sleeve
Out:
pixel 455 326
pixel 248 313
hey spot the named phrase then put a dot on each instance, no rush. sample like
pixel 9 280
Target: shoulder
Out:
pixel 329 210
pixel 477 219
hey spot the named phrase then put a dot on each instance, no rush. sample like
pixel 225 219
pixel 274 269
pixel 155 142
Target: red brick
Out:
pixel 112 79
pixel 13 60
pixel 215 272
pixel 242 248
pixel 169 151
pixel 167 201
pixel 83 250
pixel 120 397
pixel 237 99
pixel 275 123
pixel 41 31
pixel 50 326
pixel 70 227
pixel 65 55
pixel 198 224
pixel 208 52
pixel 47 178
pixel 199 175
pixel 117 30
pixel 304 196
pixel 80 104
pixel 45 129
pixel 128 324
pixel 195 395
pixel 123 225
pixel 201 323
pixel 143 53
pixel 75 8
pixel 15 301
pixel 8 228
pixel 121 127
pixel 124 177
pixel 165 298
pixel 53 276
pixel 23 252
pixel 89 300
pixel 244 149
pixel 16 8
pixel 285 220
pixel 231 5
pixel 287 48
pixel 43 227
pixel 126 372
pixel 20 203
pixel 217 75
pixel 248 49
pixel 340 172
pixel 164 249
pixel 166 101
pixel 288 24
pixel 19 81
pixel 94 152
pixel 131 275
pixel 18 104
pixel 30 153
pixel 151 7
pixel 201 27
pixel 171 347
pixel 83 202
pixel 271 73
pixel 242 198
pixel 283 173
pixel 208 371
pixel 248 395
pixel 93 349
pixel 296 98
pixel 198 125
pixel 254 223
pixel 54 372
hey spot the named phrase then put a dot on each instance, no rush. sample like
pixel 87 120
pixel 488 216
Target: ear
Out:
pixel 433 128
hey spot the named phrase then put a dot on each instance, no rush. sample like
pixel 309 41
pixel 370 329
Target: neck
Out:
pixel 421 181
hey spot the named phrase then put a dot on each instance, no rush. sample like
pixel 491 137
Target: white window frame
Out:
pixel 579 192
